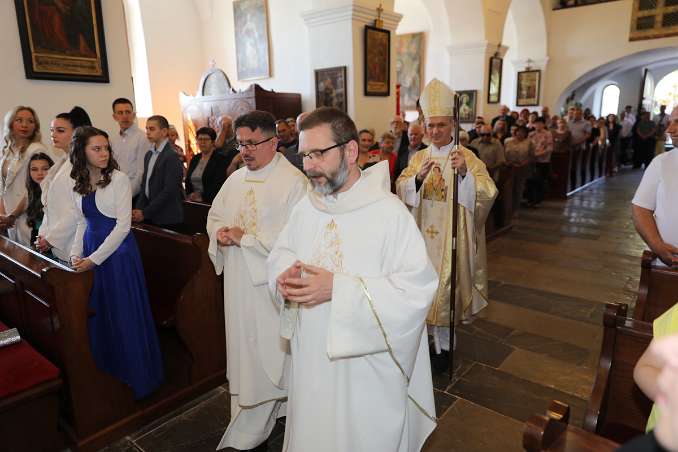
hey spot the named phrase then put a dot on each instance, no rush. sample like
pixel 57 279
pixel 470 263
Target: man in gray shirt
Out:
pixel 490 151
pixel 579 128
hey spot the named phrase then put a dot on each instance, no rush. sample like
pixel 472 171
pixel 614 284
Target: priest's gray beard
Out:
pixel 333 181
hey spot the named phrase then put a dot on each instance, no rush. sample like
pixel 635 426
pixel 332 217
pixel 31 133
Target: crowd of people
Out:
pixel 291 202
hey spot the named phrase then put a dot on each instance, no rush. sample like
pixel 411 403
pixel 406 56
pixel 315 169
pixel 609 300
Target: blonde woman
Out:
pixel 21 133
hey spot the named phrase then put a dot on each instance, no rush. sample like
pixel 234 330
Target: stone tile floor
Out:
pixel 549 279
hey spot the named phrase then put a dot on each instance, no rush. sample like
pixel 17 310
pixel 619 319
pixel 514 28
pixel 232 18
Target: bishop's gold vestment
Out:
pixel 432 210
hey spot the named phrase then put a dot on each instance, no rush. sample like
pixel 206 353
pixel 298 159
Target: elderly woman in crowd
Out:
pixel 22 140
pixel 207 170
pixel 520 154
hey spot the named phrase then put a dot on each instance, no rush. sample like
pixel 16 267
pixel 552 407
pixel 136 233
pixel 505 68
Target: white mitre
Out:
pixel 437 99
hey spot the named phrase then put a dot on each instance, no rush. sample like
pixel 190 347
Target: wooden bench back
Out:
pixel 618 409
pixel 168 269
pixel 195 218
pixel 657 291
pixel 49 305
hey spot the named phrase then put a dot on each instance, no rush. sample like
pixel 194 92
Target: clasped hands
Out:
pixel 81 265
pixel 230 236
pixel 306 284
pixel 7 221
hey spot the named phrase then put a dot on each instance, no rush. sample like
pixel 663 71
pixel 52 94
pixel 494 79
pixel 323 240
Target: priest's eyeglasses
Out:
pixel 252 146
pixel 317 153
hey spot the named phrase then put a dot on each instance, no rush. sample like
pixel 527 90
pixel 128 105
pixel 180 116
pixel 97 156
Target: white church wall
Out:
pixel 583 38
pixel 174 52
pixel 52 97
pixel 288 46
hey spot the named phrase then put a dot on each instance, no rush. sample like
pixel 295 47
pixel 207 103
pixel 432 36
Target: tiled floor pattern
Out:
pixel 549 279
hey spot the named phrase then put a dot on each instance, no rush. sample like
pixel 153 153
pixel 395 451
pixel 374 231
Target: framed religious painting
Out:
pixel 494 81
pixel 410 50
pixel 62 40
pixel 250 18
pixel 527 94
pixel 330 88
pixel 467 105
pixel 377 61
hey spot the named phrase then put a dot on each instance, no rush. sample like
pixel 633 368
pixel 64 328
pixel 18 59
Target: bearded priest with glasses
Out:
pixel 243 223
pixel 352 278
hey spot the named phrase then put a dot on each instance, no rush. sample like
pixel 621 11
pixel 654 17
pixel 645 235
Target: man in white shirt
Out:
pixel 130 144
pixel 655 207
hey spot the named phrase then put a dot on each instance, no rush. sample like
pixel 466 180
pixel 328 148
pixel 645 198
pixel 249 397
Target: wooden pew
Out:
pixel 657 291
pixel 618 409
pixel 500 218
pixel 195 218
pixel 29 400
pixel 552 432
pixel 49 304
pixel 560 175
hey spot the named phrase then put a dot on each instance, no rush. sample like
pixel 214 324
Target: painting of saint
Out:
pixel 330 88
pixel 435 187
pixel 410 68
pixel 62 39
pixel 251 39
pixel 377 61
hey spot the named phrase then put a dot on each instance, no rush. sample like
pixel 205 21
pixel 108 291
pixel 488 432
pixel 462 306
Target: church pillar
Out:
pixel 470 70
pixel 336 38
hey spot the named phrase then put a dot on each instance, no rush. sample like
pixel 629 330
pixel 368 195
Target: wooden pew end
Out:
pixel 542 431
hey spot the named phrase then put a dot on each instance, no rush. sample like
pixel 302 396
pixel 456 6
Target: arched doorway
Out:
pixel 666 93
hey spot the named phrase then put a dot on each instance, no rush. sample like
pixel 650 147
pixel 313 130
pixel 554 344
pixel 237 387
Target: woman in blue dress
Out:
pixel 122 333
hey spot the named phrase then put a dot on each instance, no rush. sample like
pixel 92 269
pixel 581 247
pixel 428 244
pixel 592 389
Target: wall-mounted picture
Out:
pixel 330 88
pixel 377 61
pixel 410 50
pixel 494 81
pixel 528 88
pixel 251 39
pixel 467 105
pixel 62 40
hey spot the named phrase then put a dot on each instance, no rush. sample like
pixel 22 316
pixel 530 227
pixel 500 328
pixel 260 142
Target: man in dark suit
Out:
pixel 399 131
pixel 415 135
pixel 161 196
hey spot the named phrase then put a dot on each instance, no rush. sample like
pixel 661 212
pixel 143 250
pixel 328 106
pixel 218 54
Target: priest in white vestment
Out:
pixel 426 187
pixel 351 273
pixel 243 223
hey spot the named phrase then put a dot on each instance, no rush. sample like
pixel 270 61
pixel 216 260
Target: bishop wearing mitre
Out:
pixel 426 187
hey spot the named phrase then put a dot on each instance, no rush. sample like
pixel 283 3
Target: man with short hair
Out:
pixel 225 142
pixel 415 136
pixel 579 128
pixel 629 113
pixel 286 138
pixel 243 224
pixel 287 143
pixel 130 145
pixel 398 129
pixel 353 304
pixel 490 151
pixel 655 207
pixel 161 197
pixel 292 122
pixel 505 114
pixel 291 153
pixel 428 193
pixel 475 131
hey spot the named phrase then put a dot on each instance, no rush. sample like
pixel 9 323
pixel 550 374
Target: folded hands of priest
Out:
pixel 306 284
pixel 230 236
